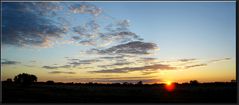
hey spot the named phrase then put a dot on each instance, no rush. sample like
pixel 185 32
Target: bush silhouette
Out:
pixel 25 79
pixel 194 82
pixel 50 82
pixel 139 83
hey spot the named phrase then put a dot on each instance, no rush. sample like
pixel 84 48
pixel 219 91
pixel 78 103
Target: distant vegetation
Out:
pixel 24 79
pixel 25 88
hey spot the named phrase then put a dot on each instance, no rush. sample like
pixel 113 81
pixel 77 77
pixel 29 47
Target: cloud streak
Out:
pixel 196 65
pixel 131 69
pixel 56 67
pixel 135 47
pixel 7 62
pixel 61 72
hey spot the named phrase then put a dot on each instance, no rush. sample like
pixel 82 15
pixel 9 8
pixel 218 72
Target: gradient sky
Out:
pixel 119 41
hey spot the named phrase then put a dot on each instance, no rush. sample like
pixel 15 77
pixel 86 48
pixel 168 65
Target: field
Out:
pixel 109 93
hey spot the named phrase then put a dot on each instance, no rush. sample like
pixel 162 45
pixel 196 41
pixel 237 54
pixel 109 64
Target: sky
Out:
pixel 110 42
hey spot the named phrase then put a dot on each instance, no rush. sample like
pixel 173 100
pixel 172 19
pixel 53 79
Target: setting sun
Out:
pixel 169 86
pixel 168 83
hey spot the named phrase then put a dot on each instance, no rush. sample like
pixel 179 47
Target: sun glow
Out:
pixel 168 83
pixel 169 86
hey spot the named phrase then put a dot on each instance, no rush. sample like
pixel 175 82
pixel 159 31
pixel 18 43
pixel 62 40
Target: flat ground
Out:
pixel 55 93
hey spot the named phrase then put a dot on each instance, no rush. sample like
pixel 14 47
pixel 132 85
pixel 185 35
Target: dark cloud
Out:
pixel 147 60
pixel 187 60
pixel 76 37
pixel 56 67
pixel 196 65
pixel 149 72
pixel 8 62
pixel 39 24
pixel 130 69
pixel 135 47
pixel 26 24
pixel 59 72
pixel 50 67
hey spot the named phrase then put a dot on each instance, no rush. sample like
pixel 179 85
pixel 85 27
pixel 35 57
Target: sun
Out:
pixel 169 86
pixel 168 83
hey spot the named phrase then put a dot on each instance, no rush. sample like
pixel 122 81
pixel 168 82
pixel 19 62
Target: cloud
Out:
pixel 88 30
pixel 187 60
pixel 76 37
pixel 29 65
pixel 39 24
pixel 56 67
pixel 50 67
pixel 116 64
pixel 205 64
pixel 118 32
pixel 25 24
pixel 135 47
pixel 60 72
pixel 85 9
pixel 7 62
pixel 197 65
pixel 117 57
pixel 87 42
pixel 130 69
pixel 217 60
pixel 77 62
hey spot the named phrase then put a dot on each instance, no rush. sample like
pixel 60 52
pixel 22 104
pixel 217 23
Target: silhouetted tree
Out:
pixel 194 82
pixel 233 81
pixel 139 83
pixel 125 83
pixel 25 79
pixel 9 80
pixel 49 82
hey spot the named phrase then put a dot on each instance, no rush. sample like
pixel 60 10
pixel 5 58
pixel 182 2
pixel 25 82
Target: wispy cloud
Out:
pixel 130 69
pixel 85 9
pixel 217 60
pixel 61 72
pixel 187 60
pixel 8 62
pixel 135 47
pixel 196 65
pixel 56 67
pixel 116 64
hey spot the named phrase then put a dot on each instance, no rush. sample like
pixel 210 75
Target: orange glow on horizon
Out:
pixel 169 86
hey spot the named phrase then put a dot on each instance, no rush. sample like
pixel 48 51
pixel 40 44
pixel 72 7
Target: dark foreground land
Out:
pixel 99 93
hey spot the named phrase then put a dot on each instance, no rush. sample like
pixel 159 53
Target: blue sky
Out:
pixel 163 31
